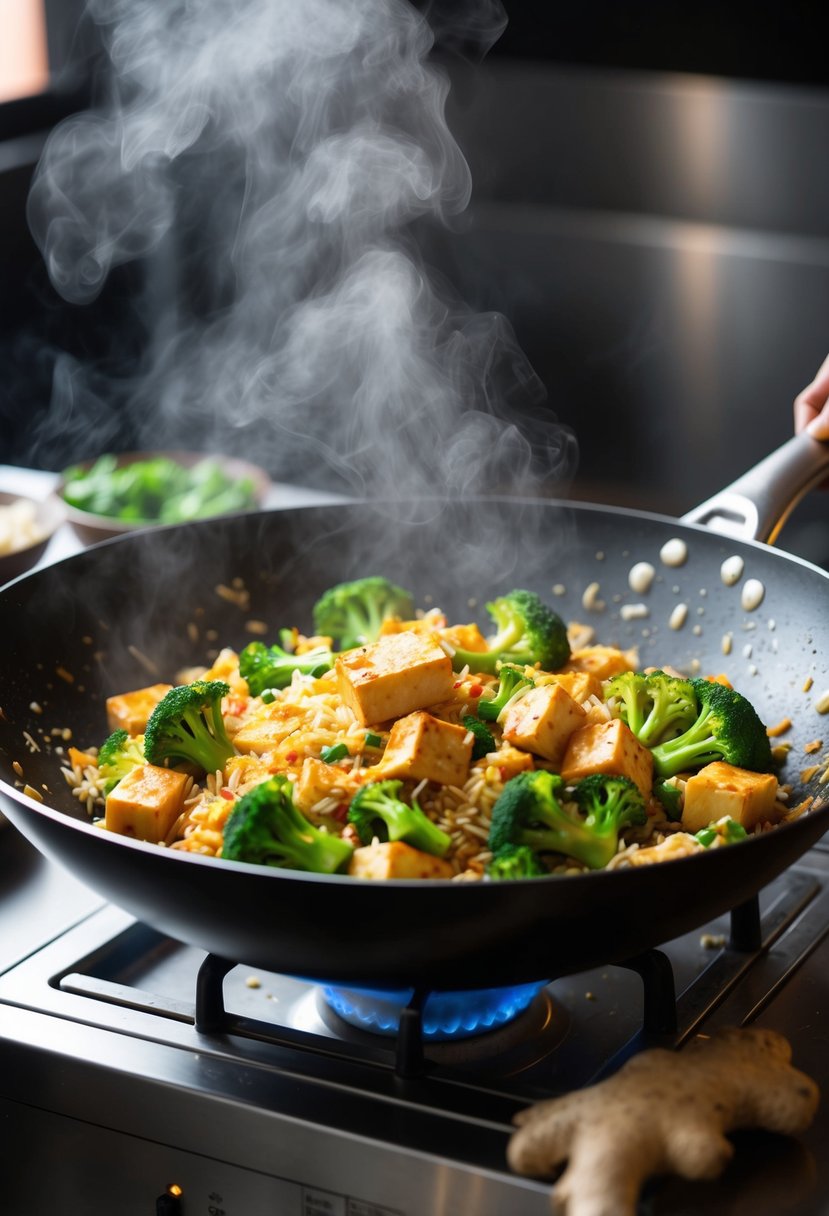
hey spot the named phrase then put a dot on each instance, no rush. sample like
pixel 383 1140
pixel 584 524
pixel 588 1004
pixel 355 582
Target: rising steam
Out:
pixel 267 160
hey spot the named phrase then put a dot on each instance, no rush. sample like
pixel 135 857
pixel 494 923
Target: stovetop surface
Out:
pixel 107 1005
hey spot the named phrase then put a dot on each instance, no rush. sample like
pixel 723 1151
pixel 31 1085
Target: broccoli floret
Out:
pixel 352 613
pixel 186 727
pixel 726 831
pixel 656 706
pixel 514 861
pixel 727 728
pixel 609 804
pixel 119 755
pixel 483 741
pixel 512 684
pixel 529 812
pixel 272 667
pixel 376 810
pixel 266 828
pixel 527 631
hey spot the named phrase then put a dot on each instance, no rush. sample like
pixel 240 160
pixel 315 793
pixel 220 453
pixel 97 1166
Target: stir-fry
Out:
pixel 393 744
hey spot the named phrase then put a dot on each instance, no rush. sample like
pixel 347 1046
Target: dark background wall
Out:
pixel 651 211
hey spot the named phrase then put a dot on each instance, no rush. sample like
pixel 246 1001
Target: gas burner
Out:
pixel 445 1015
pixel 499 1049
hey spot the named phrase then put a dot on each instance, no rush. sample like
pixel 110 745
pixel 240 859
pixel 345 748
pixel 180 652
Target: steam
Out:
pixel 267 161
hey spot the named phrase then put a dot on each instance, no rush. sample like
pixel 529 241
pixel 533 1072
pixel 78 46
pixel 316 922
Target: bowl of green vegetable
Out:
pixel 115 494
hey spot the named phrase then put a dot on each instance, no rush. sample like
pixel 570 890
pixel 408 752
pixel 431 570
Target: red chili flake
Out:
pixel 228 794
pixel 292 757
pixel 457 684
pixel 504 774
pixel 476 690
pixel 341 812
pixel 235 706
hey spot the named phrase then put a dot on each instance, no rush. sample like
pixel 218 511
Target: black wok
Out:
pixel 79 630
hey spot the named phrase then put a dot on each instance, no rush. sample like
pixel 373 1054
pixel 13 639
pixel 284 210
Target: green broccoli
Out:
pixel 186 727
pixel 727 728
pixel 529 812
pixel 119 755
pixel 266 828
pixel 512 684
pixel 726 831
pixel 267 667
pixel 656 706
pixel 527 632
pixel 514 861
pixel 376 810
pixel 353 613
pixel 483 740
pixel 609 803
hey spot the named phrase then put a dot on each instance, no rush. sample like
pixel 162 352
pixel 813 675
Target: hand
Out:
pixel 811 405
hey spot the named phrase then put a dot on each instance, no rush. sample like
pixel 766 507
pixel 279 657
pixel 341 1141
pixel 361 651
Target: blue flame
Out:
pixel 446 1015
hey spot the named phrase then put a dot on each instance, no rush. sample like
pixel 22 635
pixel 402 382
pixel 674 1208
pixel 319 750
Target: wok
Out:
pixel 136 609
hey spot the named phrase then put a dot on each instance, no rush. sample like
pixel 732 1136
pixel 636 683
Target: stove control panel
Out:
pixel 140 1177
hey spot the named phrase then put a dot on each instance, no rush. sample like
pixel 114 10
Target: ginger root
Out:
pixel 663 1112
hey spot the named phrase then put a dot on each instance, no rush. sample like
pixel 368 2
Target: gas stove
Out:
pixel 139 1076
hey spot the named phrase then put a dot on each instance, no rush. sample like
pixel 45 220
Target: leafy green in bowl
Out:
pixel 118 493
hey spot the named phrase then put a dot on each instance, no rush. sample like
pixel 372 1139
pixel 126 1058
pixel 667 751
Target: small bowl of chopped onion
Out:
pixel 115 494
pixel 26 527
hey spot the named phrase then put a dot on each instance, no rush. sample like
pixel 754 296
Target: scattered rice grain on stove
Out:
pixel 18 767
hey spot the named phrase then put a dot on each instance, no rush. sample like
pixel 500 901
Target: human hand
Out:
pixel 811 405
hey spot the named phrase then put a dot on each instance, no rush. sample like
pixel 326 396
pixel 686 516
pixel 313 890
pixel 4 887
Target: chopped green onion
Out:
pixel 373 740
pixel 268 695
pixel 338 752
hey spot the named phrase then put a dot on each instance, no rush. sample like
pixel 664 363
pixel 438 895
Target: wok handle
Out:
pixel 756 505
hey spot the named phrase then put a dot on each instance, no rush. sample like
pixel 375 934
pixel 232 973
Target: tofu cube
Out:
pixel 600 661
pixel 395 859
pixel 394 676
pixel 608 747
pixel 267 729
pixel 421 746
pixel 509 761
pixel 146 803
pixel 542 721
pixel 130 711
pixel 318 780
pixel 580 684
pixel 720 789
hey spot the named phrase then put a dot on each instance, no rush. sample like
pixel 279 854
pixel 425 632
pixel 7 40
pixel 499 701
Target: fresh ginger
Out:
pixel 663 1112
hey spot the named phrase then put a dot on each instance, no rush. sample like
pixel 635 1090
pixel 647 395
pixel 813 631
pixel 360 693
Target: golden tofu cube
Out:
pixel 509 761
pixel 267 729
pixel 318 780
pixel 130 711
pixel 600 661
pixel 721 790
pixel 608 747
pixel 421 746
pixel 395 859
pixel 394 676
pixel 542 721
pixel 146 803
pixel 581 685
